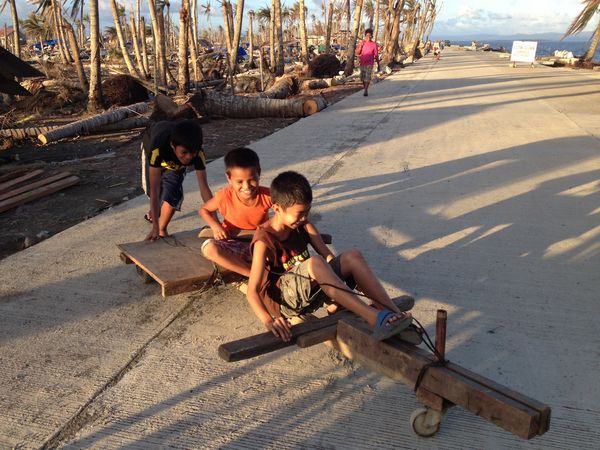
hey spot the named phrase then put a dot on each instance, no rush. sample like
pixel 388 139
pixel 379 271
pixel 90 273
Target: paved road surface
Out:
pixel 471 185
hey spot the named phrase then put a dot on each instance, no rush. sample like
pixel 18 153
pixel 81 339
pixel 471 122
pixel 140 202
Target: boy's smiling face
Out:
pixel 244 181
pixel 293 216
pixel 183 154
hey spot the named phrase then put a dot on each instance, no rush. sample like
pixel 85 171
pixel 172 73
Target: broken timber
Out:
pixel 441 386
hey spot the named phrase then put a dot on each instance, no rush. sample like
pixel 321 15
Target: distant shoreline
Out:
pixel 544 48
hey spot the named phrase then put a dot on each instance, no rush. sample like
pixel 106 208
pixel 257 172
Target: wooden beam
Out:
pixel 35 185
pixel 37 193
pixel 404 362
pixel 263 343
pixel 304 335
pixel 6 186
pixel 317 337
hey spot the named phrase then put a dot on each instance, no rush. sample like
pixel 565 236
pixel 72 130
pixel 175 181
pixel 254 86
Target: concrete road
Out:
pixel 469 184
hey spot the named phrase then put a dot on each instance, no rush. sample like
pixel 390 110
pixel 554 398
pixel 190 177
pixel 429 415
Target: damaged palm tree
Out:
pixel 217 104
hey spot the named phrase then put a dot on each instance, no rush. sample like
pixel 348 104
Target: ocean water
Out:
pixel 544 48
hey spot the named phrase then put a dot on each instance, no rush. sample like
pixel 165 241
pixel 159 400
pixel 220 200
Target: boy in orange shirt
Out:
pixel 244 205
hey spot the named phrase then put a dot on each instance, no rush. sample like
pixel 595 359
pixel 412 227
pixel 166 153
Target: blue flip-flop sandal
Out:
pixel 384 330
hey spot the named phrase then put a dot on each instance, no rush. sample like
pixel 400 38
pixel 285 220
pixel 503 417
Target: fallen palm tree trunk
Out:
pixel 31 132
pixel 86 125
pixel 210 103
pixel 284 87
pixel 318 83
pixel 23 133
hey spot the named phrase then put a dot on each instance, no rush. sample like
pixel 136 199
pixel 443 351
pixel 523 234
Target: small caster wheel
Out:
pixel 146 279
pixel 425 422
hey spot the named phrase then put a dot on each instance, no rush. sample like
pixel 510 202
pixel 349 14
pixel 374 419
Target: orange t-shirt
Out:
pixel 237 215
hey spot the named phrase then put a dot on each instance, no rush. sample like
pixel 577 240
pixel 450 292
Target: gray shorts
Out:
pixel 366 73
pixel 301 295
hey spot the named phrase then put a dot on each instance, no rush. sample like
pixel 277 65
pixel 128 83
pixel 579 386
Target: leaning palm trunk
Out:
pixel 329 26
pixel 279 66
pixel 75 51
pixel 183 78
pixel 95 93
pixel 193 46
pixel 593 46
pixel 142 27
pixel 239 16
pixel 352 42
pixel 303 33
pixel 15 21
pixel 251 38
pixel 160 69
pixel 377 9
pixel 272 37
pixel 136 47
pixel 55 29
pixel 130 67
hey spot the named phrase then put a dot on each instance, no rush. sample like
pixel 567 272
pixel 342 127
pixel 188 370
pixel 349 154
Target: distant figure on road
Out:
pixel 367 54
pixel 437 50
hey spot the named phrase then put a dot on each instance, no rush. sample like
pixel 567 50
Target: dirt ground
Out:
pixel 108 166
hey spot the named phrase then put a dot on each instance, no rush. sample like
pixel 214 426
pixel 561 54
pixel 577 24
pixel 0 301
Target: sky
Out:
pixel 470 17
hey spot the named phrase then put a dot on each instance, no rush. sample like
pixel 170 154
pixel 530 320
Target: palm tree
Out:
pixel 119 30
pixel 353 37
pixel 279 64
pixel 303 33
pixel 369 12
pixel 15 21
pixel 184 25
pixel 36 27
pixel 580 22
pixel 207 11
pixel 95 93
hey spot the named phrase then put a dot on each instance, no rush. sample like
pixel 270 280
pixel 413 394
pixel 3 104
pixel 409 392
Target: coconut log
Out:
pixel 23 133
pixel 318 83
pixel 31 132
pixel 211 103
pixel 314 105
pixel 86 125
pixel 283 87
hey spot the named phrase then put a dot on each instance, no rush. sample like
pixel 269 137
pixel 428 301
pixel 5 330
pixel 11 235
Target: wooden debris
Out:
pixel 86 125
pixel 11 175
pixel 37 193
pixel 7 185
pixel 32 186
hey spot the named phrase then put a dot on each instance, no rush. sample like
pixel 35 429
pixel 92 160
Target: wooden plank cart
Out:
pixel 438 384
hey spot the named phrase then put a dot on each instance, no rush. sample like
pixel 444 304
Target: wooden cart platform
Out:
pixel 441 387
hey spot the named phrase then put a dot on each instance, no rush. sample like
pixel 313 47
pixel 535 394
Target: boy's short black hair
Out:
pixel 188 134
pixel 369 31
pixel 290 188
pixel 243 157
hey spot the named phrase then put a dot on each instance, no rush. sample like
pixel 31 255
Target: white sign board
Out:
pixel 523 51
